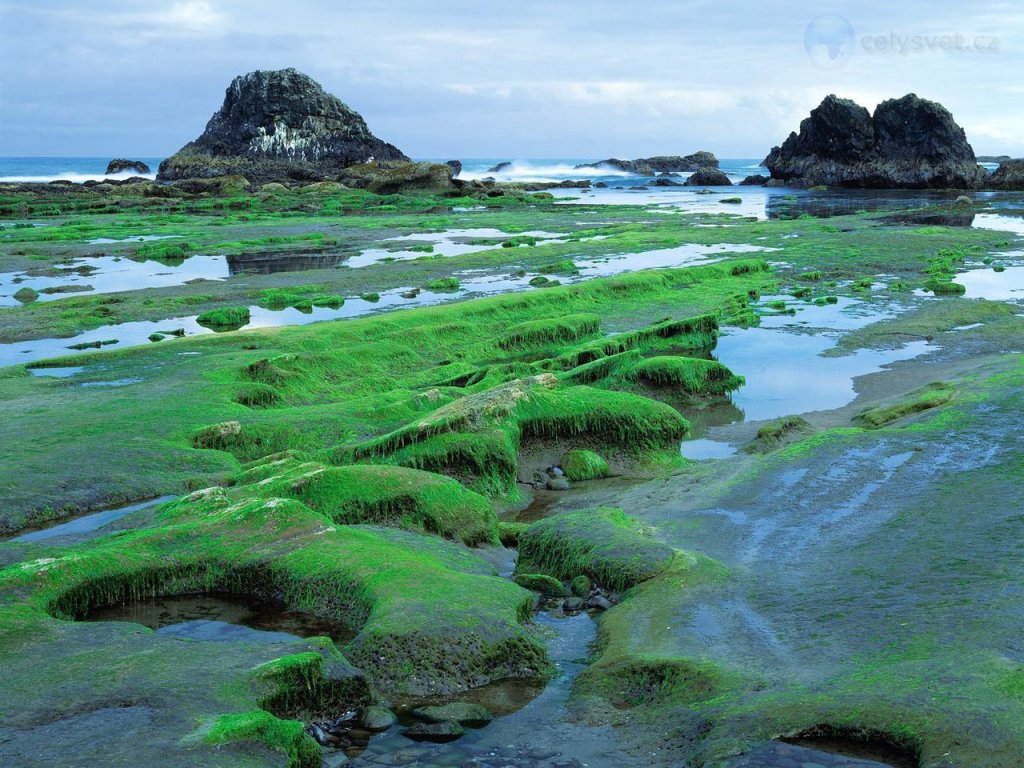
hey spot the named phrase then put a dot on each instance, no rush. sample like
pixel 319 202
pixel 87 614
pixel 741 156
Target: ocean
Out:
pixel 79 169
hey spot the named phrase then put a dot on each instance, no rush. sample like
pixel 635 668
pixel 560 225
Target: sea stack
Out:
pixel 909 143
pixel 278 125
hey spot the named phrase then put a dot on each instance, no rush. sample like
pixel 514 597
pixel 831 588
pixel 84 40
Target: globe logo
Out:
pixel 829 40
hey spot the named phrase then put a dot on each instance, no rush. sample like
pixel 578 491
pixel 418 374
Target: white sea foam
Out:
pixel 526 171
pixel 78 178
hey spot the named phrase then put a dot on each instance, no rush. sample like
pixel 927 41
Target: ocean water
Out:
pixel 79 169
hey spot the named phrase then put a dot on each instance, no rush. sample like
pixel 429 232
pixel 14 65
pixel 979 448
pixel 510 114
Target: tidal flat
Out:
pixel 457 430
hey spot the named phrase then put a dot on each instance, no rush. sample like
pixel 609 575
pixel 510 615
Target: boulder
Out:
pixel 1009 175
pixel 278 125
pixel 413 179
pixel 121 165
pixel 461 712
pixel 755 180
pixel 456 166
pixel 909 143
pixel 708 177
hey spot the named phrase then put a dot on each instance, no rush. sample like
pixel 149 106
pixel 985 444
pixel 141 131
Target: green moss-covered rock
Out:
pixel 509 533
pixel 603 544
pixel 924 399
pixel 228 318
pixel 26 295
pixel 539 582
pixel 581 585
pixel 584 465
pixel 560 329
pixel 778 433
pixel 287 736
pixel 389 495
pixel 689 375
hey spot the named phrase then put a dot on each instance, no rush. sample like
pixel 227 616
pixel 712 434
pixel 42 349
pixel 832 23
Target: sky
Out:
pixel 505 78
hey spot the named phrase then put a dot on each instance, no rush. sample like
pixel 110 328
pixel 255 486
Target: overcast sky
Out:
pixel 505 78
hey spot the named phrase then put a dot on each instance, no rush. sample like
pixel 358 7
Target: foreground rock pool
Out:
pixel 512 482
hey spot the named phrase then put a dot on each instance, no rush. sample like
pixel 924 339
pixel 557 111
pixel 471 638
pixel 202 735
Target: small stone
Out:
pixel 377 718
pixel 438 733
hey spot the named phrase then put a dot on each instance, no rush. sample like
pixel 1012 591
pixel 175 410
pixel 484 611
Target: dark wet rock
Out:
pixel 120 165
pixel 650 166
pixel 455 165
pixel 377 718
pixel 573 604
pixel 500 167
pixel 461 712
pixel 708 177
pixel 571 184
pixel 1009 175
pixel 276 125
pixel 435 732
pixel 908 143
pixel 601 185
pixel 665 182
pixel 599 603
pixel 755 180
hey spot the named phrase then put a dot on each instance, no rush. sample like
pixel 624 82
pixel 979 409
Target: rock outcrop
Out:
pixel 1009 175
pixel 708 177
pixel 755 180
pixel 121 165
pixel 909 143
pixel 651 166
pixel 278 125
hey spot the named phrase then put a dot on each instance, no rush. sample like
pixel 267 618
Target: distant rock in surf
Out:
pixel 455 165
pixel 499 168
pixel 661 164
pixel 708 177
pixel 909 143
pixel 121 165
pixel 278 125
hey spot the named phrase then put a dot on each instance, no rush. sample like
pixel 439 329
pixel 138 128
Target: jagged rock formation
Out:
pixel 755 180
pixel 278 125
pixel 1009 175
pixel 651 166
pixel 708 177
pixel 121 165
pixel 909 143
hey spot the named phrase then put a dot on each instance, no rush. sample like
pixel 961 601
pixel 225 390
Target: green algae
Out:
pixel 229 318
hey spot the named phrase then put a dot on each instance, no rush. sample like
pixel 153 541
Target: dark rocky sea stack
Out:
pixel 121 165
pixel 649 166
pixel 1009 175
pixel 909 143
pixel 278 125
